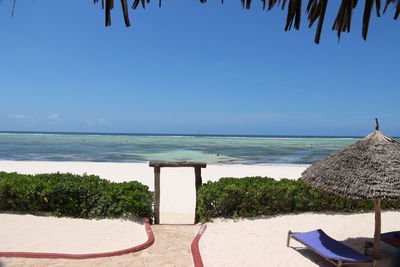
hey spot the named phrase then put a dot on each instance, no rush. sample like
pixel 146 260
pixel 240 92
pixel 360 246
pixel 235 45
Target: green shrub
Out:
pixel 253 196
pixel 84 196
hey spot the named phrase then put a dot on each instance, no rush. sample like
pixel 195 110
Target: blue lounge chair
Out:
pixel 330 249
pixel 392 238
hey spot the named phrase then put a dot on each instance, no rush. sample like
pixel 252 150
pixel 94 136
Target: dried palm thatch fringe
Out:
pixel 316 10
pixel 343 19
pixel 13 8
pixel 397 2
pixel 368 169
pixel 294 14
pixel 369 4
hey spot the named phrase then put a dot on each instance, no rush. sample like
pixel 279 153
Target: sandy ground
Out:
pixel 30 233
pixel 119 172
pixel 262 241
pixel 177 184
pixel 249 242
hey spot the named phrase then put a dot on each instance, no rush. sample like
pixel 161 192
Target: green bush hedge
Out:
pixel 253 196
pixel 84 196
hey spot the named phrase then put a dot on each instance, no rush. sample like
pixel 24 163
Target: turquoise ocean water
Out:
pixel 145 147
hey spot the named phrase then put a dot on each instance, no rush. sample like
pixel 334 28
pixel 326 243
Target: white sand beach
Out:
pixel 247 242
pixel 177 184
pixel 119 172
pixel 28 233
pixel 262 241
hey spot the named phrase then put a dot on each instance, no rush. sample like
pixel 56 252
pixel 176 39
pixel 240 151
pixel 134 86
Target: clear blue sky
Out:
pixel 193 68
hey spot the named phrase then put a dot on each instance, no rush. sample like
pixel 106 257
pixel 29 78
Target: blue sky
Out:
pixel 193 68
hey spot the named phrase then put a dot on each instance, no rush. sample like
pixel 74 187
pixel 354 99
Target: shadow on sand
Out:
pixel 389 256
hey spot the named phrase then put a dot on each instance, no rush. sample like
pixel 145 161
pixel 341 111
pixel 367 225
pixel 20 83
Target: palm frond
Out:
pixel 294 14
pixel 397 10
pixel 343 19
pixel 394 2
pixel 124 4
pixel 316 10
pixel 367 15
pixel 109 6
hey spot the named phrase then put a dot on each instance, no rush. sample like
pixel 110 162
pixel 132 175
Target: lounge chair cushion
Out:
pixel 329 247
pixel 391 238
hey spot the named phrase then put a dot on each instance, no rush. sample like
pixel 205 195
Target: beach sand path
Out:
pixel 171 248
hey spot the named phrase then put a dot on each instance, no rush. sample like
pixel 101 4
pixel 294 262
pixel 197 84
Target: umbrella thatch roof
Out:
pixel 315 9
pixel 368 169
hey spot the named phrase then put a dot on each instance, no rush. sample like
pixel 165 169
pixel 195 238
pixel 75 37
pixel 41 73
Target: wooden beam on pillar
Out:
pixel 157 165
pixel 177 164
pixel 157 171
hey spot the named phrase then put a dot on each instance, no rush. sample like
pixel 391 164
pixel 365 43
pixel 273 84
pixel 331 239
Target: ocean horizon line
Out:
pixel 134 147
pixel 177 134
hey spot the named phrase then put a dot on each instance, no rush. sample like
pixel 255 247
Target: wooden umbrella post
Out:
pixel 377 235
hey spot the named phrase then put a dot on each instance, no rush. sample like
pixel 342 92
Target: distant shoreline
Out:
pixel 178 135
pixel 214 149
pixel 121 172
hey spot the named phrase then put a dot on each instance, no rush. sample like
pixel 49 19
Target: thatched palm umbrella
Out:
pixel 315 9
pixel 368 169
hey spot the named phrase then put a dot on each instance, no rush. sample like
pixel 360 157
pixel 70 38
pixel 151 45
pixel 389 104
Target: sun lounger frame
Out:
pixel 338 263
